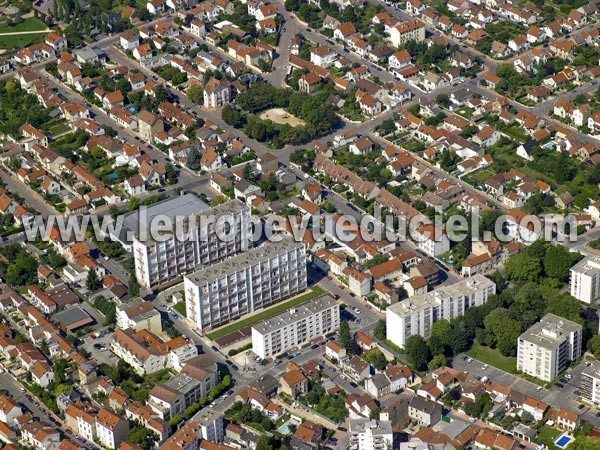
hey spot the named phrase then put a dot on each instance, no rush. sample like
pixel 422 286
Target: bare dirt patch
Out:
pixel 280 115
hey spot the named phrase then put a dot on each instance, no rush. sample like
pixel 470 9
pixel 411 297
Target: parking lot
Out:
pixel 99 348
pixel 563 394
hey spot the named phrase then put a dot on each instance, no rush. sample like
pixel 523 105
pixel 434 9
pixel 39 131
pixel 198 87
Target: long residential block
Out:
pixel 416 314
pixel 205 237
pixel 295 326
pixel 244 283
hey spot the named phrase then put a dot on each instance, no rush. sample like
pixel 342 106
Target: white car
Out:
pixel 343 377
pixel 485 366
pixel 1 371
pixel 22 389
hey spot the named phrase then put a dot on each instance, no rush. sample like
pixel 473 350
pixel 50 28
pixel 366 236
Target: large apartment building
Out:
pixel 590 383
pixel 547 347
pixel 585 279
pixel 369 434
pixel 412 30
pixel 296 326
pixel 240 285
pixel 147 353
pixel 416 314
pixel 207 236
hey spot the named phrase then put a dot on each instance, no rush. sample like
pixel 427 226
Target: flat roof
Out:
pixel 71 316
pixel 296 314
pixel 593 370
pixel 206 416
pixel 240 262
pixel 182 383
pixel 461 289
pixel 377 427
pixel 587 266
pixel 550 331
pixel 181 206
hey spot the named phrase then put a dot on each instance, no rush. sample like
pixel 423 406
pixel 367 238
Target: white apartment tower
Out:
pixel 548 346
pixel 244 283
pixel 416 314
pixel 585 279
pixel 590 383
pixel 206 236
pixel 295 326
pixel 369 434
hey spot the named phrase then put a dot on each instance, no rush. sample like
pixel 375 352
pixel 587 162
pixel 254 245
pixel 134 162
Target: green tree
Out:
pixel 232 116
pixel 92 282
pixel 346 338
pixel 505 330
pixel 380 330
pixel 417 352
pixel 141 436
pixel 558 261
pixel 594 345
pixel 133 287
pixel 436 362
pixel 196 94
pixel 193 159
pixel 523 267
pixel 376 358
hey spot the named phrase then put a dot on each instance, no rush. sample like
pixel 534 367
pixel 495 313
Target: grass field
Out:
pixel 265 314
pixel 493 357
pixel 547 435
pixel 22 40
pixel 180 308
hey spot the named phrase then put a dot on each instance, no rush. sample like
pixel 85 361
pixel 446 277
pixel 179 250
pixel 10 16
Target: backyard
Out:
pixel 547 435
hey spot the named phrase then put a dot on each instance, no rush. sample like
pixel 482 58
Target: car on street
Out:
pixel 314 346
pixel 22 389
pixel 485 366
pixel 581 407
pixel 343 377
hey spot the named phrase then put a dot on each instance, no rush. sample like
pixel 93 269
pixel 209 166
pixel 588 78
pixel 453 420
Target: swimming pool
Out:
pixel 285 428
pixel 562 441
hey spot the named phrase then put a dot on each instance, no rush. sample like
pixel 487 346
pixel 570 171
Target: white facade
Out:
pixel 295 327
pixel 548 346
pixel 159 262
pixel 367 434
pixel 211 425
pixel 585 280
pixel 240 285
pixel 416 314
pixel 590 383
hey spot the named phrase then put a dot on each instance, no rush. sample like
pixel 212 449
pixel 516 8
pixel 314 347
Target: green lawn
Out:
pixel 493 357
pixel 22 40
pixel 59 128
pixel 547 435
pixel 180 308
pixel 27 25
pixel 265 314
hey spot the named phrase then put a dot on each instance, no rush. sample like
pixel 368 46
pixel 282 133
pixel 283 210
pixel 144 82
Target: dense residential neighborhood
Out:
pixel 385 225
